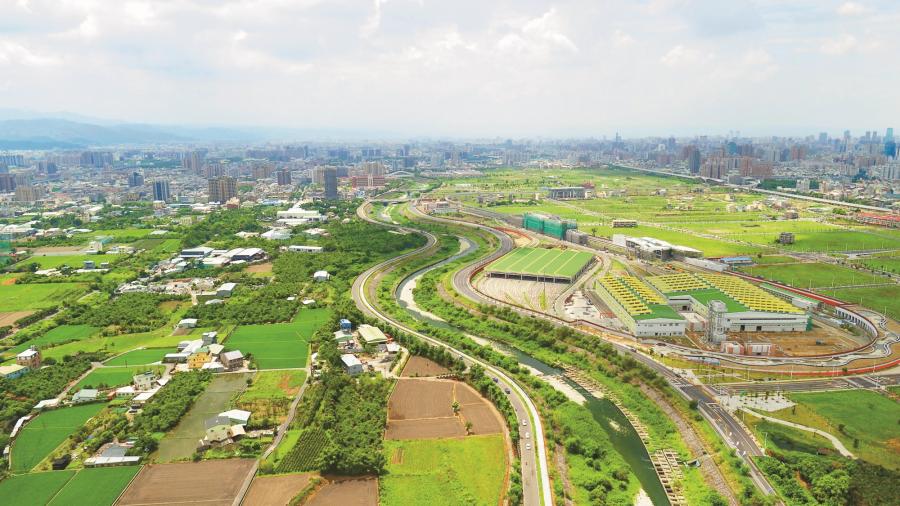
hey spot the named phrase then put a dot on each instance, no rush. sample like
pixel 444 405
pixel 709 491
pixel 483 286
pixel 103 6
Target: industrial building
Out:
pixel 567 192
pixel 541 264
pixel 747 308
pixel 650 248
pixel 639 307
pixel 548 225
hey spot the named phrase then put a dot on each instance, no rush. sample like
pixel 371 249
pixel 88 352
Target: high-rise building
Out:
pixel 96 159
pixel 161 190
pixel 330 183
pixel 283 176
pixel 890 149
pixel 7 182
pixel 222 189
pixel 693 159
pixel 135 179
pixel 194 161
pixel 28 193
pixel 889 134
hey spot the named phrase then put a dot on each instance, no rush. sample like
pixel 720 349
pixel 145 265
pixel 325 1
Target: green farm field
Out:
pixel 440 471
pixel 813 275
pixel 48 430
pixel 37 295
pixel 95 487
pixel 113 376
pixel 33 489
pixel 865 416
pixel 56 335
pixel 881 263
pixel 139 357
pixel 73 261
pixel 279 345
pixel 274 384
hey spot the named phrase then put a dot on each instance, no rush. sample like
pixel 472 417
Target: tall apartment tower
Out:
pixel 221 189
pixel 161 190
pixel 283 176
pixel 693 160
pixel 330 183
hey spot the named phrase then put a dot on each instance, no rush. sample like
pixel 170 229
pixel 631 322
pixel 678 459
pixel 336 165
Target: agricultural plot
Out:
pixel 420 408
pixel 111 377
pixel 279 345
pixel 73 261
pixel 864 421
pixel 37 295
pixel 440 471
pixel 421 366
pixel 270 490
pixel 814 275
pixel 884 299
pixel 361 491
pixel 842 240
pixel 210 482
pixel 95 487
pixel 47 431
pixel 271 393
pixel 34 488
pixel 304 454
pixel 56 335
pixel 139 357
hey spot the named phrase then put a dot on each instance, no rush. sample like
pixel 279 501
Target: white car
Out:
pixel 527 435
pixel 527 446
pixel 524 423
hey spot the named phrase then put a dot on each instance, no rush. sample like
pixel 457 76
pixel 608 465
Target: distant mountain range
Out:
pixel 56 133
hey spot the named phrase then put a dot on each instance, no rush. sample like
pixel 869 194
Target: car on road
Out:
pixel 496 379
pixel 527 446
pixel 527 435
pixel 524 423
pixel 507 391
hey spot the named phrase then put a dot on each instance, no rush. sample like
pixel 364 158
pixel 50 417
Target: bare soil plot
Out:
pixel 421 366
pixel 423 409
pixel 260 268
pixel 57 250
pixel 10 317
pixel 211 483
pixel 275 490
pixel 347 492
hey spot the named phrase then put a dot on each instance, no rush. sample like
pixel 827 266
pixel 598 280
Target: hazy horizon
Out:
pixel 400 68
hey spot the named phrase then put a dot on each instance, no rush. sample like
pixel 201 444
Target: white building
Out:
pixel 352 365
pixel 321 276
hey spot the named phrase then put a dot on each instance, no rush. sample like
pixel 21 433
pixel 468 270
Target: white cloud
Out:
pixel 851 9
pixel 680 56
pixel 621 39
pixel 847 43
pixel 17 54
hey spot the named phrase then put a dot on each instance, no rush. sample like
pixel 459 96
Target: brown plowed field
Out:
pixel 11 317
pixel 211 483
pixel 421 366
pixel 275 490
pixel 347 492
pixel 423 409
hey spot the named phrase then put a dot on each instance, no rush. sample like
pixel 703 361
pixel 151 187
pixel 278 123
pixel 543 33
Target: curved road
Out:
pixel 535 476
pixel 728 427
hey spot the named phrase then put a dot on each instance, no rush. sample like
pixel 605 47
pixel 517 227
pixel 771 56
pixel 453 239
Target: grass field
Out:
pixel 878 298
pixel 279 345
pixel 441 471
pixel 814 275
pixel 73 261
pixel 881 263
pixel 118 234
pixel 865 416
pixel 113 376
pixel 56 335
pixel 34 488
pixel 271 384
pixel 139 357
pixel 540 261
pixel 37 295
pixel 95 487
pixel 47 431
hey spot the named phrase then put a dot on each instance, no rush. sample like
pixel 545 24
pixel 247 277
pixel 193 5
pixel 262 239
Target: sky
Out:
pixel 461 68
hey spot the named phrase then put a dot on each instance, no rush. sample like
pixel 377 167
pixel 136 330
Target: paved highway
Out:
pixel 728 427
pixel 535 476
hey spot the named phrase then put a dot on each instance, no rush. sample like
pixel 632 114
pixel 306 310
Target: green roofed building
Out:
pixel 639 307
pixel 541 264
pixel 548 225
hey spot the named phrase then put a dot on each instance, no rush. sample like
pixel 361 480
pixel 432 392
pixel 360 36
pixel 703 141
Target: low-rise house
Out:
pixel 215 350
pixel 237 416
pixel 321 276
pixel 213 367
pixel 352 365
pixel 198 358
pixel 30 358
pixel 12 371
pixel 226 290
pixel 371 335
pixel 112 454
pixel 144 381
pixel 232 360
pixel 187 323
pixel 46 404
pixel 85 395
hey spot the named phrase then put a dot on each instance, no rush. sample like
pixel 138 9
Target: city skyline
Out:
pixel 402 69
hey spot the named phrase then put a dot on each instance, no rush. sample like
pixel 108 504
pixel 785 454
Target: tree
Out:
pixel 455 407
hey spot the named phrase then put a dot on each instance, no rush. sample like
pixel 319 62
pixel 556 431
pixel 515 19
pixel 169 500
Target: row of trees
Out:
pixel 128 313
pixel 172 401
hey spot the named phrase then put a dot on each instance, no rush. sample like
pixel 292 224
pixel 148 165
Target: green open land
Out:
pixel 879 298
pixel 540 261
pixel 774 259
pixel 95 487
pixel 273 384
pixel 113 377
pixel 34 488
pixel 441 471
pixel 139 357
pixel 814 275
pixel 56 335
pixel 881 263
pixel 279 345
pixel 73 261
pixel 118 234
pixel 48 430
pixel 37 295
pixel 866 417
